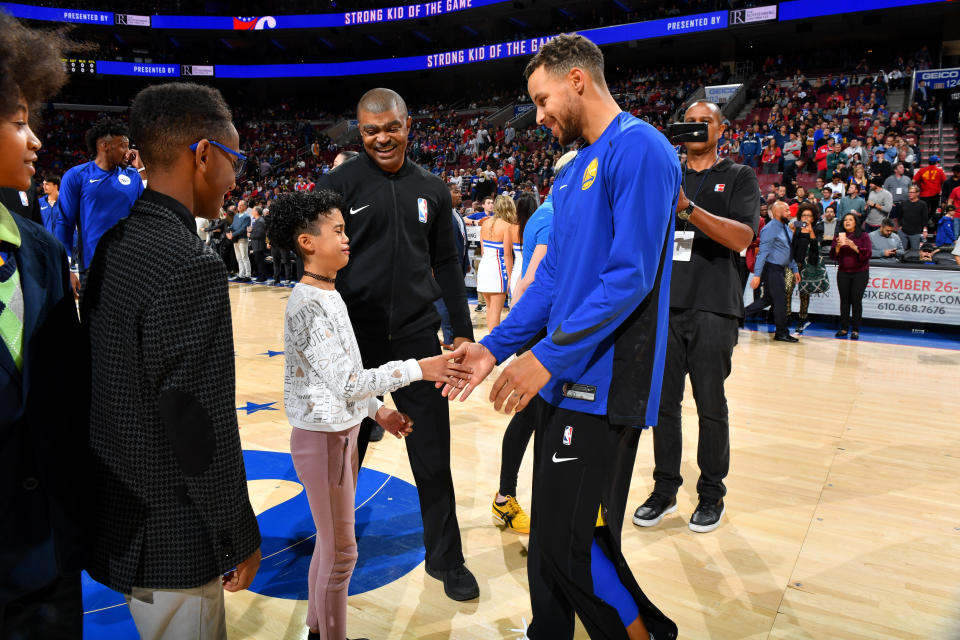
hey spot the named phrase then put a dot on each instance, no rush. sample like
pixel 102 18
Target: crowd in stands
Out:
pixel 835 141
pixel 825 140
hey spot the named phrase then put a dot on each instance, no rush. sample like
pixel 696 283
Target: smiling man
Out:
pixel 398 218
pixel 594 381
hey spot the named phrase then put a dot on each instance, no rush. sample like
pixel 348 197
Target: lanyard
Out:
pixel 702 182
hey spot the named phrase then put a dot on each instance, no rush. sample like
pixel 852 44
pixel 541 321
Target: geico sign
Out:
pixel 940 75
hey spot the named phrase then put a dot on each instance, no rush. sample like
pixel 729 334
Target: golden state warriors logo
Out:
pixel 589 175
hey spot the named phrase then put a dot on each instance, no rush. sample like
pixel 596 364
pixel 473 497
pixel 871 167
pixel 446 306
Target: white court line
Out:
pixel 379 489
pixel 113 606
pixel 357 508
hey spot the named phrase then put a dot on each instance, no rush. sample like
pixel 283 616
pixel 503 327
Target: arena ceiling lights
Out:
pixel 253 23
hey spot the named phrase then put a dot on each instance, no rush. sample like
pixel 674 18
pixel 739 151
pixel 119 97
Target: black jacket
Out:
pixel 258 235
pixel 13 200
pixel 169 499
pixel 401 236
pixel 460 240
pixel 43 426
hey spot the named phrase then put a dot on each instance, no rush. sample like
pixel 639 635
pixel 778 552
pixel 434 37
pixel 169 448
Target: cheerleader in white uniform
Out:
pixel 497 258
pixel 517 268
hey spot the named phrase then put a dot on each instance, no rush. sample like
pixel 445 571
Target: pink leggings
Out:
pixel 327 464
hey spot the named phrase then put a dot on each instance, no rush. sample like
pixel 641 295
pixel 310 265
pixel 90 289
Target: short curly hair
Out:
pixel 294 213
pixel 31 64
pixel 165 119
pixel 563 53
pixel 104 128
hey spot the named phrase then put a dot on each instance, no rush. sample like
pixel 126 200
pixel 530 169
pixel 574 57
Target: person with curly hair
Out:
pixel 98 193
pixel 41 467
pixel 327 394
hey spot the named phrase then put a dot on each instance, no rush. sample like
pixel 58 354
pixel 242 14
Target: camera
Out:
pixel 679 132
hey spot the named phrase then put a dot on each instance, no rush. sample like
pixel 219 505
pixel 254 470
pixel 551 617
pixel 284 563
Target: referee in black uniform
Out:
pixel 403 258
pixel 706 300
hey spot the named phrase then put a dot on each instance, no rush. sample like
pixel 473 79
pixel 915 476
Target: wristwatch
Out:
pixel 684 214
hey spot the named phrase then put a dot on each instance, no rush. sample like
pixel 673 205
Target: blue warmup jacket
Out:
pixel 93 200
pixel 603 288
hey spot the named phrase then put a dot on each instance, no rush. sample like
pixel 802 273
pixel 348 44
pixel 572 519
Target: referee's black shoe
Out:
pixel 785 337
pixel 651 512
pixel 458 583
pixel 708 515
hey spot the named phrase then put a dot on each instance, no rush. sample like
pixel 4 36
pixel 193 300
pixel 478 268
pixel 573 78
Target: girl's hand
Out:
pixel 399 424
pixel 446 368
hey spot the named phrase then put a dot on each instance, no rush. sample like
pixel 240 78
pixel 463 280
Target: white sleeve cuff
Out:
pixel 414 372
pixel 373 405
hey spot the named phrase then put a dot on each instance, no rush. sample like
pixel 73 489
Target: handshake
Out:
pixel 518 383
pixel 460 372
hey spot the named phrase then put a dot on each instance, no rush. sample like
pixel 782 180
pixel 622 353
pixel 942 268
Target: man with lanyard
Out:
pixel 403 257
pixel 775 254
pixel 706 301
pixel 594 381
pixel 97 194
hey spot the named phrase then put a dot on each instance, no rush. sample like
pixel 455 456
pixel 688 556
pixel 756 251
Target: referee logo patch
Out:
pixel 589 175
pixel 422 209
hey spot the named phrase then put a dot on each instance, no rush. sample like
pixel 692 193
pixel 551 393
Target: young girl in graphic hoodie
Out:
pixel 327 394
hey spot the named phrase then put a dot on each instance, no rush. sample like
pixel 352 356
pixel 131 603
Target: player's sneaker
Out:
pixel 511 515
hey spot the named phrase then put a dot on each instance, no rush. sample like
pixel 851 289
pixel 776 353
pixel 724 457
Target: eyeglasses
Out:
pixel 238 165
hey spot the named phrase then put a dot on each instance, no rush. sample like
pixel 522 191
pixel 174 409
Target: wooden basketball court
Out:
pixel 843 506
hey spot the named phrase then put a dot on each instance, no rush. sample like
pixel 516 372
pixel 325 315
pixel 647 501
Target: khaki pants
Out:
pixel 179 614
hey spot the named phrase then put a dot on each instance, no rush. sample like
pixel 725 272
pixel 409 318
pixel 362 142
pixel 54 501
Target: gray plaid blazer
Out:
pixel 170 508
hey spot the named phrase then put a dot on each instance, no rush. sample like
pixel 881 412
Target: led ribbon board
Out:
pixel 601 36
pixel 800 9
pixel 251 23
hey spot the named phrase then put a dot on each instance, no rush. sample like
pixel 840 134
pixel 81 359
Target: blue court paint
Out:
pixel 253 407
pixel 883 335
pixel 271 353
pixel 389 540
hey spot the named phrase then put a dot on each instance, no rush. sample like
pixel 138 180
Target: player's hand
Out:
pixel 755 282
pixel 518 383
pixel 241 577
pixel 446 368
pixel 481 362
pixel 399 424
pixel 133 159
pixel 75 285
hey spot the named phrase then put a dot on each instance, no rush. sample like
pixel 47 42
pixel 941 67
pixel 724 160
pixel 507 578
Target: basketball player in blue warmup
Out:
pixel 602 291
pixel 97 194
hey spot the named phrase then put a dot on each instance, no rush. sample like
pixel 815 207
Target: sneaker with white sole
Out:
pixel 511 515
pixel 651 512
pixel 707 516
